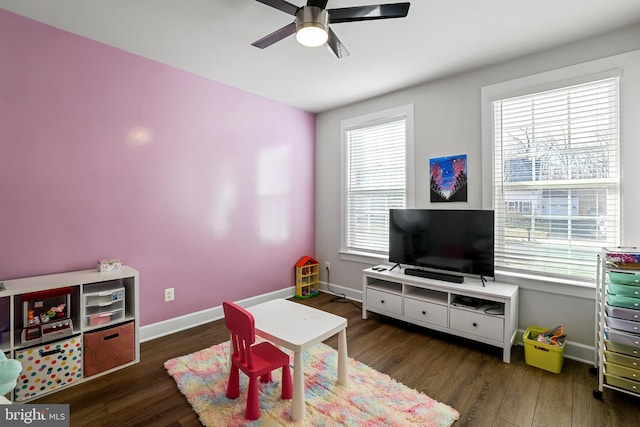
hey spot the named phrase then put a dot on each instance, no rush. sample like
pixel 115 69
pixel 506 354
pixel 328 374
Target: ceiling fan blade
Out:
pixel 276 36
pixel 317 3
pixel 367 13
pixel 336 45
pixel 282 5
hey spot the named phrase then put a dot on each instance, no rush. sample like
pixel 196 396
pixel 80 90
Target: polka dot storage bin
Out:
pixel 48 367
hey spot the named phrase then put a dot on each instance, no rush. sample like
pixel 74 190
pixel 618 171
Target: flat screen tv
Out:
pixel 448 243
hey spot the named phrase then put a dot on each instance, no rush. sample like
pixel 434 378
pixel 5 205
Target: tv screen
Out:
pixel 459 242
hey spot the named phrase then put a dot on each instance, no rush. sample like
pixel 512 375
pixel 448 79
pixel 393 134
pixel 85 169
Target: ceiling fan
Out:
pixel 312 22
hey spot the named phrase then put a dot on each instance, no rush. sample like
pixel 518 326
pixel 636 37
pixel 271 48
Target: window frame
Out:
pixel 372 119
pixel 556 79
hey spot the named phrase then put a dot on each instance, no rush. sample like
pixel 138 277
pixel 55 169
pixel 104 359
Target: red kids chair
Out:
pixel 254 360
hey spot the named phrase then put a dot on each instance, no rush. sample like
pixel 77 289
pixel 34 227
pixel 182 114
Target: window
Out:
pixel 557 178
pixel 376 174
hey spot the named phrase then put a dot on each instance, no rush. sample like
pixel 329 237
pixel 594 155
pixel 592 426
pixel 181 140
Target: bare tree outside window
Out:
pixel 557 178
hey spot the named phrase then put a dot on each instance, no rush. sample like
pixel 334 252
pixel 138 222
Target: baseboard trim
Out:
pixel 181 323
pixel 343 291
pixel 573 350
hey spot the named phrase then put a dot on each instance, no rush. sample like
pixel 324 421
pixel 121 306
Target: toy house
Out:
pixel 306 277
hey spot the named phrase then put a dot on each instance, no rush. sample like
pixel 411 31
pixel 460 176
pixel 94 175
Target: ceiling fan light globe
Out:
pixel 312 26
pixel 312 36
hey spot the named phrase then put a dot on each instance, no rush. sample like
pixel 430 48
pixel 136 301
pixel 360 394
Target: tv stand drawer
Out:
pixel 482 325
pixel 427 312
pixel 385 301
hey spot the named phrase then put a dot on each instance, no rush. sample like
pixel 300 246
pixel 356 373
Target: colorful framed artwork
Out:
pixel 448 179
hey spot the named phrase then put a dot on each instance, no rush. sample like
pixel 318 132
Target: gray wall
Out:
pixel 448 122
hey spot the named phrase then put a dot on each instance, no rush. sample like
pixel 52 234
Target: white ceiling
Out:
pixel 212 38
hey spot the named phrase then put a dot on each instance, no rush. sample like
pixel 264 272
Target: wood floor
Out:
pixel 466 375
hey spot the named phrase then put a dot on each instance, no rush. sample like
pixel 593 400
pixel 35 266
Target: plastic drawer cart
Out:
pixel 618 321
pixel 103 303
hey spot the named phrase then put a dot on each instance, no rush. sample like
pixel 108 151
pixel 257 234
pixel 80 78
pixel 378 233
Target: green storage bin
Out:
pixel 622 360
pixel 622 348
pixel 624 278
pixel 622 371
pixel 624 290
pixel 541 355
pixel 623 383
pixel 624 302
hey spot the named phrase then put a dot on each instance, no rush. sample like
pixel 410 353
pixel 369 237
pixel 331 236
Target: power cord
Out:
pixel 341 298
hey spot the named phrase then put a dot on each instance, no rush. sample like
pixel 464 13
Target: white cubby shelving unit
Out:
pixel 96 331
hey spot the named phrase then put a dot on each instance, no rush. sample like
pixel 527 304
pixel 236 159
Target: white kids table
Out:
pixel 297 327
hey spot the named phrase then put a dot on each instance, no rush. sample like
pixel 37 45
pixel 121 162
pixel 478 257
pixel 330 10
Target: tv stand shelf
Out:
pixel 487 314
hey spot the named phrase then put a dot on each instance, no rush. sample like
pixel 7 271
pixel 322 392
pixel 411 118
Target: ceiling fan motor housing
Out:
pixel 309 17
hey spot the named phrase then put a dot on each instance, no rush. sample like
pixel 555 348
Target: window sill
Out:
pixel 363 257
pixel 552 285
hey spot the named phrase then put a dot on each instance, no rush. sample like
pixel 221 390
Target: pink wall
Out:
pixel 199 186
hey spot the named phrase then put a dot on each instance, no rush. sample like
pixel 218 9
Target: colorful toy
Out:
pixel 32 319
pixel 554 336
pixel 9 371
pixel 55 312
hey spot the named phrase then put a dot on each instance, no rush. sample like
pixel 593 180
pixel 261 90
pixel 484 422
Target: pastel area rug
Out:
pixel 370 399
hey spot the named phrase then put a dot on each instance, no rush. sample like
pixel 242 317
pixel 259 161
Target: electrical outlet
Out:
pixel 327 265
pixel 169 294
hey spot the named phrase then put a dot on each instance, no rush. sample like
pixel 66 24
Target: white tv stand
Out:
pixel 439 305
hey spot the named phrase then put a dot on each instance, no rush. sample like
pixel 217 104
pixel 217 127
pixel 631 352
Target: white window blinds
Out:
pixel 375 182
pixel 557 179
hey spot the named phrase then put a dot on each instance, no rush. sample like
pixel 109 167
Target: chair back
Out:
pixel 243 334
